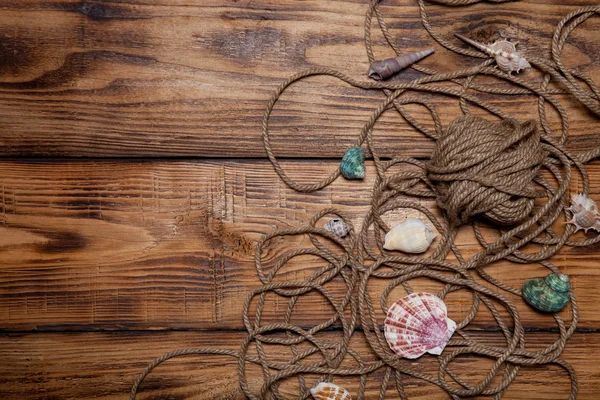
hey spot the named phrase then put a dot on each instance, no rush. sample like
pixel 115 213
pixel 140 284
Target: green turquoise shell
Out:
pixel 549 294
pixel 353 163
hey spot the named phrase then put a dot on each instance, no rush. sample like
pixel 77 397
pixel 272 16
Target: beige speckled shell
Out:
pixel 410 236
pixel 329 391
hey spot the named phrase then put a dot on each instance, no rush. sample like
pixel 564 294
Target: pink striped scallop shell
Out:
pixel 418 324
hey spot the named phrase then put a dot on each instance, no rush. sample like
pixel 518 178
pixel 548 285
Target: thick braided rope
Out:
pixel 357 264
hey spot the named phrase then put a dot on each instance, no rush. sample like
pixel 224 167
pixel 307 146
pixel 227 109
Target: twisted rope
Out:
pixel 510 172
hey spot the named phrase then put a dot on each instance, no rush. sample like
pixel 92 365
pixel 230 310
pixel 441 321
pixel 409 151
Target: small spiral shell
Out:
pixel 383 69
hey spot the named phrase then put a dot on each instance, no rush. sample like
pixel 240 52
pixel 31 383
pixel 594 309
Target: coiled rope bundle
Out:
pixel 479 167
pixel 510 172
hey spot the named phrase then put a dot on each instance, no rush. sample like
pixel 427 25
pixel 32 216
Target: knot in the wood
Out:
pixel 481 167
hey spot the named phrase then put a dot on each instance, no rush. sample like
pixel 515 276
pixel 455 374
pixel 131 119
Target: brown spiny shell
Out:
pixel 505 53
pixel 585 213
pixel 329 391
pixel 503 45
pixel 582 202
pixel 584 220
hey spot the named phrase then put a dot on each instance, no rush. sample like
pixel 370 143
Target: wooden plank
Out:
pixel 170 245
pixel 104 366
pixel 158 78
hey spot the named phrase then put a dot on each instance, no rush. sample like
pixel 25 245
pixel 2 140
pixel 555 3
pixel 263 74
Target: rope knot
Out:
pixel 481 167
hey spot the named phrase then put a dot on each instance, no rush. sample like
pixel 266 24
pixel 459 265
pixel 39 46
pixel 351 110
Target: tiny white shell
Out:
pixel 329 391
pixel 338 227
pixel 410 236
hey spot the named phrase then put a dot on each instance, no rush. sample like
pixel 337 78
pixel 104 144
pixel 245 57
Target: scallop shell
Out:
pixel 418 324
pixel 338 227
pixel 549 294
pixel 353 163
pixel 585 213
pixel 410 236
pixel 383 69
pixel 507 57
pixel 329 391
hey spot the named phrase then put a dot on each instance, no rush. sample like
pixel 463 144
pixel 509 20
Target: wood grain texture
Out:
pixel 105 265
pixel 165 245
pixel 181 79
pixel 103 366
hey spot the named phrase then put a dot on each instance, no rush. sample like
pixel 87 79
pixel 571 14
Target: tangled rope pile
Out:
pixel 510 172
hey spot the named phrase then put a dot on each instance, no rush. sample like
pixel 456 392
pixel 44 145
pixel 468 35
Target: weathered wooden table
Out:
pixel 134 184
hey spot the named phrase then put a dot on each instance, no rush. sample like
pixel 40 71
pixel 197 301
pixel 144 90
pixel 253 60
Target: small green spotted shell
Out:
pixel 353 163
pixel 549 294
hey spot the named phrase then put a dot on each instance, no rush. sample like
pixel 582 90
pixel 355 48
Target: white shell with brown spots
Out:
pixel 329 391
pixel 338 227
